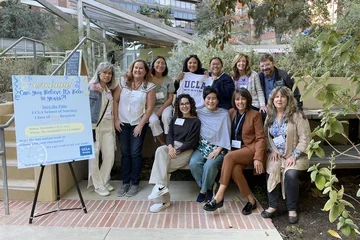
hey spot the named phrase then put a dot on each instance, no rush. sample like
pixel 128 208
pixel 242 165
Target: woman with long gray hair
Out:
pixel 102 117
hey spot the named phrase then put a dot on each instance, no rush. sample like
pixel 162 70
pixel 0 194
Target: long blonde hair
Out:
pixel 236 73
pixel 290 108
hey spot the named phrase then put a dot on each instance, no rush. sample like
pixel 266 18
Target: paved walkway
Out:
pixel 112 217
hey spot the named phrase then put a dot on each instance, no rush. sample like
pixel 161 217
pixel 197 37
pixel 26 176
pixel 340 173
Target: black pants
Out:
pixel 263 114
pixel 291 190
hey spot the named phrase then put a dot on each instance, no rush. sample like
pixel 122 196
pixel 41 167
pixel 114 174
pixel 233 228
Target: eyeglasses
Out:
pixel 184 104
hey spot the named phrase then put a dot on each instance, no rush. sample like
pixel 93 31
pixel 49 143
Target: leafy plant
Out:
pixel 339 45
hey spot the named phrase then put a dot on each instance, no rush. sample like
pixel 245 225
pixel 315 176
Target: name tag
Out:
pixel 179 121
pixel 235 144
pixel 279 140
pixel 160 95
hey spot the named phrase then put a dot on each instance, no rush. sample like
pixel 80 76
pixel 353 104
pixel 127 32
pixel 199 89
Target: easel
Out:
pixel 57 192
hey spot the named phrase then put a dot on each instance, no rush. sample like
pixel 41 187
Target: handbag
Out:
pixel 93 131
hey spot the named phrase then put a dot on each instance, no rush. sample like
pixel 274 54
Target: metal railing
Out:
pixel 34 41
pixel 75 49
pixel 3 163
pixel 3 126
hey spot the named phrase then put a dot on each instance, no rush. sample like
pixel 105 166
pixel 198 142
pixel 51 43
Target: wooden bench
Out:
pixel 341 161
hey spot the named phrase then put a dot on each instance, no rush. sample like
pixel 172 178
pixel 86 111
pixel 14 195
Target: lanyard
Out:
pixel 238 125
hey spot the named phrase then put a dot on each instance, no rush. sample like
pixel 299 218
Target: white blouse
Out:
pixel 132 103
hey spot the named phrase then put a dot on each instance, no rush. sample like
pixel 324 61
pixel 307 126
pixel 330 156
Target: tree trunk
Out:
pixel 278 37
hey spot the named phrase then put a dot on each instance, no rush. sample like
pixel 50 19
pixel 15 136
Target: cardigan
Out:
pixel 255 89
pixel 298 136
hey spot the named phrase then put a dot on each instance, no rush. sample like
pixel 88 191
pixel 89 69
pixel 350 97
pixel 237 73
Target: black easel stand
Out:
pixel 57 192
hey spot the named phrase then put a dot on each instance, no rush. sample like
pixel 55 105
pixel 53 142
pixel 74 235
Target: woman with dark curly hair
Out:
pixel 287 132
pixel 181 141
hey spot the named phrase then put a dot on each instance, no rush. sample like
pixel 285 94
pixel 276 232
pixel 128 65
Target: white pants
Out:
pixel 154 121
pixel 164 165
pixel 105 141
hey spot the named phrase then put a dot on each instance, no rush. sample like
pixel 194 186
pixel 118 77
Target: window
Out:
pixel 178 4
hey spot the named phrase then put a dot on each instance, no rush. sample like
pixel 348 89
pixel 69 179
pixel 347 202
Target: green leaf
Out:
pixel 357 89
pixel 312 168
pixel 335 212
pixel 328 205
pixel 320 181
pixel 358 193
pixel 345 47
pixel 349 221
pixel 320 94
pixel 303 96
pixel 320 153
pixel 320 133
pixel 332 87
pixel 326 75
pixel 345 214
pixel 313 175
pixel 345 57
pixel 337 127
pixel 333 195
pixel 334 233
pixel 325 171
pixel 346 230
pixel 346 203
pixel 326 190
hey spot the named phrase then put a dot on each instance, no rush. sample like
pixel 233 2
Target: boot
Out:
pixel 161 139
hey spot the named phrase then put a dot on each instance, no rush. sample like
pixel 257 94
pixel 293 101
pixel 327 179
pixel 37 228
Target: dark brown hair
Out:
pixel 243 92
pixel 177 112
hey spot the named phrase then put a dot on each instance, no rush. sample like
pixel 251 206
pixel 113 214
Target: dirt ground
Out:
pixel 313 222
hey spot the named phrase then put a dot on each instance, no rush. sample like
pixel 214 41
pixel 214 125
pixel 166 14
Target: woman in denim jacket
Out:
pixel 101 107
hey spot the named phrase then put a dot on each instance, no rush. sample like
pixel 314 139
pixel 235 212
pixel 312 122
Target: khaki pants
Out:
pixel 163 165
pixel 105 141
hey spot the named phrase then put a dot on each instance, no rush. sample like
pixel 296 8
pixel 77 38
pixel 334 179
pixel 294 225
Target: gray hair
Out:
pixel 103 66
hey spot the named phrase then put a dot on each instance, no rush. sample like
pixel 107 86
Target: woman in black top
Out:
pixel 181 141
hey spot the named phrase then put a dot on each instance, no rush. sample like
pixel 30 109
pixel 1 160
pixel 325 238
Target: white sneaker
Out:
pixel 102 191
pixel 158 191
pixel 109 187
pixel 157 207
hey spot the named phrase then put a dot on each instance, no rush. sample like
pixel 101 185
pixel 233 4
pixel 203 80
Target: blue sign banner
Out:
pixel 52 120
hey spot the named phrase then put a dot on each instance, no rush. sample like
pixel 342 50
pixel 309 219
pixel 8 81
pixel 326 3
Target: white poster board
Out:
pixel 52 120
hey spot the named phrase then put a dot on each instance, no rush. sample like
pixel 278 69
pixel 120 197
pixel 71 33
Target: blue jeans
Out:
pixel 203 170
pixel 291 190
pixel 131 158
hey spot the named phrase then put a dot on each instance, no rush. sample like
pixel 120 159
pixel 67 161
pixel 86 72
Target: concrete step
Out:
pixel 10 134
pixel 6 108
pixel 6 117
pixel 19 189
pixel 14 173
pixel 11 150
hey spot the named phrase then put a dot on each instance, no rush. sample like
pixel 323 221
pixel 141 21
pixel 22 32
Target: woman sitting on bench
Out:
pixel 183 137
pixel 248 148
pixel 214 143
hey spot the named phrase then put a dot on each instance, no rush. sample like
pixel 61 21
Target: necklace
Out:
pixel 136 87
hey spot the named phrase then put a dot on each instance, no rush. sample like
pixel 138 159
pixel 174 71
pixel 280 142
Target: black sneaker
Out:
pixel 248 208
pixel 201 197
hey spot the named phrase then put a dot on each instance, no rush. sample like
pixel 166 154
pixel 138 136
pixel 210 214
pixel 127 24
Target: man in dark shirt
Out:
pixel 271 77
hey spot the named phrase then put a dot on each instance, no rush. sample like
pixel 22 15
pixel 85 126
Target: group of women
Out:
pixel 228 133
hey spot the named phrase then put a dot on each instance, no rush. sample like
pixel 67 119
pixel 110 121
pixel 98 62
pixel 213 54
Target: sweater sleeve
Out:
pixel 170 136
pixel 192 139
pixel 227 87
pixel 259 91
